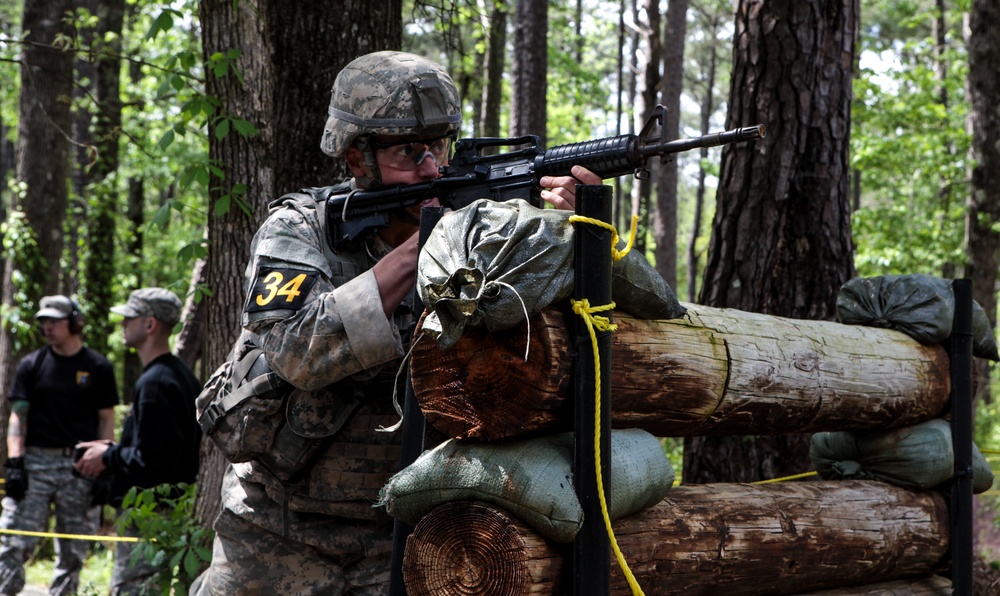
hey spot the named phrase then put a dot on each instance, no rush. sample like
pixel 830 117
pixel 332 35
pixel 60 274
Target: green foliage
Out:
pixel 582 72
pixel 674 450
pixel 910 148
pixel 20 249
pixel 171 540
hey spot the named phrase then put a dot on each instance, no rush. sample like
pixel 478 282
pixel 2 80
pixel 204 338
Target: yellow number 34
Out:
pixel 273 284
pixel 280 288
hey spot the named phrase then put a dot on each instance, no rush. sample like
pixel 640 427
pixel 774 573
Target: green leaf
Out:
pixel 166 140
pixel 191 563
pixel 222 129
pixel 222 205
pixel 244 127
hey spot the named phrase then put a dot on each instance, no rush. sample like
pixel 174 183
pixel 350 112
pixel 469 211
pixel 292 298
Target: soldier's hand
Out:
pixel 560 191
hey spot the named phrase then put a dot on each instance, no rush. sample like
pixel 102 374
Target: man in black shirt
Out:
pixel 62 394
pixel 161 437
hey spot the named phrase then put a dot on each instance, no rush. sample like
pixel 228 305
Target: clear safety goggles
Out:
pixel 408 155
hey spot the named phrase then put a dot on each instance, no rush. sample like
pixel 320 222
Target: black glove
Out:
pixel 16 478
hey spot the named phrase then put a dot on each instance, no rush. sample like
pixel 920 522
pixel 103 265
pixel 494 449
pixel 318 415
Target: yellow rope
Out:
pixel 71 536
pixel 795 477
pixel 604 324
pixel 615 253
pixel 583 308
pixel 66 536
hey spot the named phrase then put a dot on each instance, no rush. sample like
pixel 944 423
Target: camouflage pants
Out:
pixel 132 579
pixel 51 483
pixel 250 560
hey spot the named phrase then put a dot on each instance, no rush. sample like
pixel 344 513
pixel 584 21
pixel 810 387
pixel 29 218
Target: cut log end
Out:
pixel 508 390
pixel 444 558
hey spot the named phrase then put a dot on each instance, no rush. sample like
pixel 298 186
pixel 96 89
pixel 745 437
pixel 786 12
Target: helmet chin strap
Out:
pixel 375 180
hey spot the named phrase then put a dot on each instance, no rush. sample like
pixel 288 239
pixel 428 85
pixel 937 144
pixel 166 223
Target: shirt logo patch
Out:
pixel 280 288
pixel 83 378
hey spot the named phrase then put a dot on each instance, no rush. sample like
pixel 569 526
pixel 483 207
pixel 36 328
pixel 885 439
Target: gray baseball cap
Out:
pixel 55 307
pixel 159 303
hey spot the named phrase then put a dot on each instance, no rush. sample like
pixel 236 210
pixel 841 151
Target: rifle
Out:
pixel 472 174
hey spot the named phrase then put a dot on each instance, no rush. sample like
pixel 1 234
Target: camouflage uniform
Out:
pixel 320 533
pixel 52 482
pixel 319 320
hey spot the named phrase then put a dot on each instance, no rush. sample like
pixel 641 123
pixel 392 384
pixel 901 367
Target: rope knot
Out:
pixel 615 253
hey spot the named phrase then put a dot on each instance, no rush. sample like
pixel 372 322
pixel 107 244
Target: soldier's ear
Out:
pixel 356 161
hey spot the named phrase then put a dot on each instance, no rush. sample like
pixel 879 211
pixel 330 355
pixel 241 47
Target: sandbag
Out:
pixel 531 478
pixel 498 264
pixel 921 306
pixel 915 457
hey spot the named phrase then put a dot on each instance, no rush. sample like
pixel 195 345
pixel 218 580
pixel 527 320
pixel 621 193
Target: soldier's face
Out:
pixel 412 171
pixel 56 330
pixel 409 161
pixel 134 331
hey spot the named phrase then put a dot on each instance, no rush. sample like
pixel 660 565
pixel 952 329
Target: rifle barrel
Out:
pixel 736 135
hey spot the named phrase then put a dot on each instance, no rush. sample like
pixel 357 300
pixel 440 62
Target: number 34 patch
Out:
pixel 280 288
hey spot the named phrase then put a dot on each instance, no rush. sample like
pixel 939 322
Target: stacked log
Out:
pixel 737 539
pixel 934 585
pixel 712 372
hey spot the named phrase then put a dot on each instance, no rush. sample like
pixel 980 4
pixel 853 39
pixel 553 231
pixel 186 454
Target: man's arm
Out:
pixel 106 424
pixel 17 428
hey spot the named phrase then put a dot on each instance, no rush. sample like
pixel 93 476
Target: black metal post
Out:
pixel 412 434
pixel 961 436
pixel 592 276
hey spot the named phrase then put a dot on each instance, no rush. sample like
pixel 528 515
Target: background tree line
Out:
pixel 141 142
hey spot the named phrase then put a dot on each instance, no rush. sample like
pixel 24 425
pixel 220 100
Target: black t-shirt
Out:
pixel 64 393
pixel 161 436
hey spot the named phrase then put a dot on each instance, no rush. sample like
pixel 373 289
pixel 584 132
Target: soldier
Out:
pixel 62 394
pixel 297 515
pixel 160 439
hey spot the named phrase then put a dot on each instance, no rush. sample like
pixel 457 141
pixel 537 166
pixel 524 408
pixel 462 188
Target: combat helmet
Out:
pixel 390 93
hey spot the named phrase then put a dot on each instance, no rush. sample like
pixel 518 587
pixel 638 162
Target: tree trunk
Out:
pixel 651 86
pixel 983 215
pixel 713 372
pixel 135 216
pixel 191 339
pixel 529 70
pixel 102 211
pixel 781 239
pixel 291 53
pixel 735 539
pixel 42 166
pixel 495 55
pixel 664 224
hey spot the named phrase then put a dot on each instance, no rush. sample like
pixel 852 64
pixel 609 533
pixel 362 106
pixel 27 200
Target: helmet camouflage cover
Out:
pixel 390 93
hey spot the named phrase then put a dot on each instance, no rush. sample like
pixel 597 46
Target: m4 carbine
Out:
pixel 471 175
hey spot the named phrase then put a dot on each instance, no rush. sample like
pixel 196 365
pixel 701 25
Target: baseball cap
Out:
pixel 159 303
pixel 55 307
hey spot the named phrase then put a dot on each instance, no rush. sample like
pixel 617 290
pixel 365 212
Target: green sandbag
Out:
pixel 496 264
pixel 921 306
pixel 530 478
pixel 915 457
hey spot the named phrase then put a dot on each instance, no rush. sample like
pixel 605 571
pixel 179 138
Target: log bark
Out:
pixel 736 539
pixel 934 585
pixel 713 372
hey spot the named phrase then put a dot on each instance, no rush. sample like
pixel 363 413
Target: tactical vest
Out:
pixel 312 450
